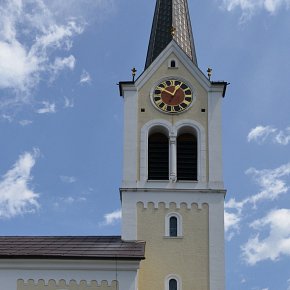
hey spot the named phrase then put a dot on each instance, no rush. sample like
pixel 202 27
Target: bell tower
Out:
pixel 172 190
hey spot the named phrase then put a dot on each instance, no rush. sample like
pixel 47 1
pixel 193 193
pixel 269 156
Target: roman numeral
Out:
pixel 158 102
pixel 186 102
pixel 162 106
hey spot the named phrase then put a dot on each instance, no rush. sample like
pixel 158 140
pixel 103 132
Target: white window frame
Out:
pixel 176 63
pixel 172 276
pixel 167 224
pixel 172 131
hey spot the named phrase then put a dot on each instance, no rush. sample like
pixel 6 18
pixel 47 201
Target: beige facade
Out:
pixel 164 71
pixel 185 256
pixel 195 258
pixel 63 285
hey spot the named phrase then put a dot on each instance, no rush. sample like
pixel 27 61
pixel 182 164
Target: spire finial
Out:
pixel 209 73
pixel 133 70
pixel 173 30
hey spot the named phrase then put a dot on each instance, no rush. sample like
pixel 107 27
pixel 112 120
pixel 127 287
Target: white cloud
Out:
pixel 7 118
pixel 68 103
pixel 111 218
pixel 276 244
pixel 288 284
pixel 68 179
pixel 233 217
pixel 250 7
pixel 261 133
pixel 25 122
pixel 68 201
pixel 16 196
pixel 47 108
pixel 31 36
pixel 283 137
pixel 232 221
pixel 63 63
pixel 85 78
pixel 35 39
pixel 272 183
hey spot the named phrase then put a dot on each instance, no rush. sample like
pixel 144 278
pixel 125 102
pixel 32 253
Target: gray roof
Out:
pixel 75 247
pixel 170 14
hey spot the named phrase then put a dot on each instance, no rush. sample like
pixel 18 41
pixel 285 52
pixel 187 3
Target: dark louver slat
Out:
pixel 186 157
pixel 158 157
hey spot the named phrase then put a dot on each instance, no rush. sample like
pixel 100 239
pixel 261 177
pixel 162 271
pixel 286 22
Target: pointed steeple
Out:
pixel 171 22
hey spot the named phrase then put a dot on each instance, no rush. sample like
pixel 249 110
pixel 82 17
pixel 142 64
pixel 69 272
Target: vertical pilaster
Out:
pixel 173 158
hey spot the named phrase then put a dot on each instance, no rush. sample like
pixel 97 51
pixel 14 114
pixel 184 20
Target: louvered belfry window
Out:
pixel 158 157
pixel 186 157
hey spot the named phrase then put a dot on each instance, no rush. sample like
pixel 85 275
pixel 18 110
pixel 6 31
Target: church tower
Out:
pixel 172 190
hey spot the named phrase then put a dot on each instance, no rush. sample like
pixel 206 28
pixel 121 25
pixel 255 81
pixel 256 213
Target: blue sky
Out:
pixel 61 120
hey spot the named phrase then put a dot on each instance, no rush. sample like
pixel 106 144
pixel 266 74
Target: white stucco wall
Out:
pixel 125 272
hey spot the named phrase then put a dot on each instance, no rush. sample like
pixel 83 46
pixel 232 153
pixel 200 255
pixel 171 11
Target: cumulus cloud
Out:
pixel 68 179
pixel 7 117
pixel 250 7
pixel 69 200
pixel 275 244
pixel 63 63
pixel 233 217
pixel 85 78
pixel 283 137
pixel 36 37
pixel 272 184
pixel 25 122
pixel 111 218
pixel 47 108
pixel 16 195
pixel 260 134
pixel 28 39
pixel 68 103
pixel 232 221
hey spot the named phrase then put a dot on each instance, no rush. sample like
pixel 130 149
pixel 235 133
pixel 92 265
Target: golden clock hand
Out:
pixel 164 90
pixel 176 88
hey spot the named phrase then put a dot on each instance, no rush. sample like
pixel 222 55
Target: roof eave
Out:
pixel 222 84
pixel 122 84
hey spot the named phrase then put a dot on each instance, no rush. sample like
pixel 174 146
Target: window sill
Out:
pixel 173 238
pixel 187 181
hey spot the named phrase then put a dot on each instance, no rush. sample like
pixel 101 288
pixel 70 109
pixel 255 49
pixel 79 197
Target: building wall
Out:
pixel 65 285
pixel 186 256
pixel 193 113
pixel 46 274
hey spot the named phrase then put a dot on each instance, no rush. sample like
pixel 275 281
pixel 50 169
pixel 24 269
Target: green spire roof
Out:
pixel 171 22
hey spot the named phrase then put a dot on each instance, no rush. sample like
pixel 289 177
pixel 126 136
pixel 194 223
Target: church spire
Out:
pixel 171 22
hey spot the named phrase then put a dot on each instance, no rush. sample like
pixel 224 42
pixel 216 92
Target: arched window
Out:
pixel 173 226
pixel 158 157
pixel 173 63
pixel 187 157
pixel 172 284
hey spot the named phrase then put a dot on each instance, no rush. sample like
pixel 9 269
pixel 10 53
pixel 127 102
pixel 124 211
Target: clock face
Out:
pixel 172 96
